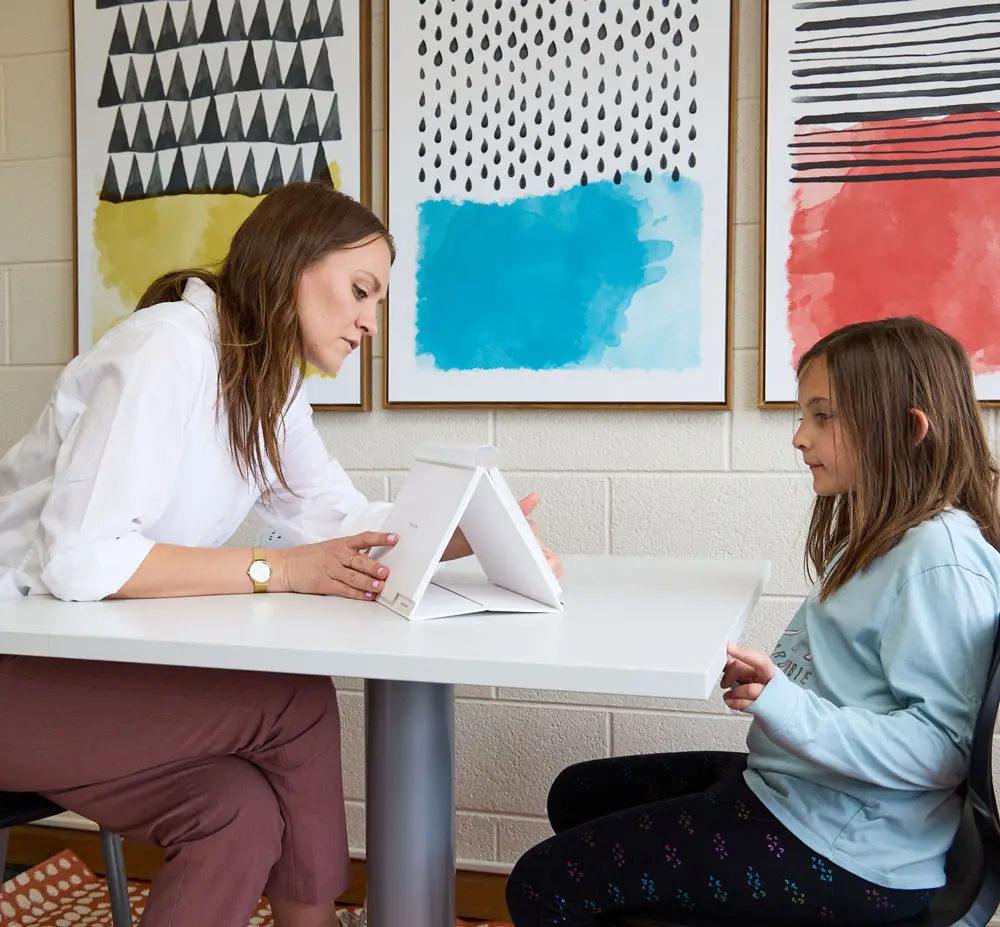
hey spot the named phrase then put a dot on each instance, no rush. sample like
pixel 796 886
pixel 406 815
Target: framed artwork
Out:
pixel 559 188
pixel 187 112
pixel 881 176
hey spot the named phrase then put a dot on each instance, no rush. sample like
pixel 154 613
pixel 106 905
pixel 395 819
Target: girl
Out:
pixel 845 803
pixel 155 445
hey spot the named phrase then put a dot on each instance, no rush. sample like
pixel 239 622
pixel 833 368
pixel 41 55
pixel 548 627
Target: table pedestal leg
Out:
pixel 410 762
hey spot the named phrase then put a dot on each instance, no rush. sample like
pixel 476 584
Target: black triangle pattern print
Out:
pixel 154 85
pixel 237 31
pixel 168 32
pixel 274 175
pixel 132 92
pixel 120 44
pixel 204 169
pixel 141 140
pixel 212 30
pixel 311 27
pixel 248 179
pixel 224 82
pixel 111 4
pixel 134 189
pixel 189 35
pixel 219 97
pixel 284 28
pixel 204 125
pixel 179 29
pixel 224 179
pixel 155 185
pixel 143 42
pixel 167 137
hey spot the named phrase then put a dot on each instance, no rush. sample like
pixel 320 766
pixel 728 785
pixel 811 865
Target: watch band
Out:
pixel 259 556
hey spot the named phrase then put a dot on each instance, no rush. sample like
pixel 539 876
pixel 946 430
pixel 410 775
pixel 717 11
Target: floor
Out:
pixel 44 895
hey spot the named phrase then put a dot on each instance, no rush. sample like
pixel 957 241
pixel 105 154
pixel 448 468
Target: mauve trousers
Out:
pixel 236 774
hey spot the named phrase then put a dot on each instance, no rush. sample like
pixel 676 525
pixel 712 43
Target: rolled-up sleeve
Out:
pixel 323 502
pixel 122 418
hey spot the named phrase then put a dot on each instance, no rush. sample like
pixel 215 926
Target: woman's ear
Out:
pixel 921 425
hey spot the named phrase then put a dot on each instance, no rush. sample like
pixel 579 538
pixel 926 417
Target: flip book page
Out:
pixel 453 486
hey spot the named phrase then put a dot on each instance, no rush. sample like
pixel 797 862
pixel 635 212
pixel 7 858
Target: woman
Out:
pixel 154 447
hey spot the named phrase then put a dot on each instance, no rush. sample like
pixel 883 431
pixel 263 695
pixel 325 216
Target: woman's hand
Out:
pixel 458 546
pixel 747 672
pixel 338 567
pixel 528 505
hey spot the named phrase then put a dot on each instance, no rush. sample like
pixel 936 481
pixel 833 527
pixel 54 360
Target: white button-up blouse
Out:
pixel 131 451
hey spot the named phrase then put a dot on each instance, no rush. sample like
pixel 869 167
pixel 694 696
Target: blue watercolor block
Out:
pixel 598 276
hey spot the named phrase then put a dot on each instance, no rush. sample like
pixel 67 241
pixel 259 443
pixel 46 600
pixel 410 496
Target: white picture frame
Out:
pixel 595 274
pixel 879 178
pixel 185 112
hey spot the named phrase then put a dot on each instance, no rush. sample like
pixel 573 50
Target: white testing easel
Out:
pixel 460 486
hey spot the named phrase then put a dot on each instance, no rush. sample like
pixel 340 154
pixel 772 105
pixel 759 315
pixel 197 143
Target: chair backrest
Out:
pixel 968 862
pixel 980 779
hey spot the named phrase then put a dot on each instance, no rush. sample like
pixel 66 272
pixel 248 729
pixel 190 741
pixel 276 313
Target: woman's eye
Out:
pixel 824 416
pixel 359 293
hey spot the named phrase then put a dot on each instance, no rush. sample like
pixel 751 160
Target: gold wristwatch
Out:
pixel 260 570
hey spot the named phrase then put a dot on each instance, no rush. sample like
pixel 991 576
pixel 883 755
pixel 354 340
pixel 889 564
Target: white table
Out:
pixel 632 626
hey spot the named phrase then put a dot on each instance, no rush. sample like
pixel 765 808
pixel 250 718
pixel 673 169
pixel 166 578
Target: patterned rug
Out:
pixel 63 892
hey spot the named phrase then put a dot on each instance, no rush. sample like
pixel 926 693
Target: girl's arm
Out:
pixel 936 648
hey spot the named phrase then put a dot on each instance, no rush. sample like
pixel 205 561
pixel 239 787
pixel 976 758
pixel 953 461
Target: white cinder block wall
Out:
pixel 711 484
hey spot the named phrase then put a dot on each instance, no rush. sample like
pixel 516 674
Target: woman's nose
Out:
pixel 368 322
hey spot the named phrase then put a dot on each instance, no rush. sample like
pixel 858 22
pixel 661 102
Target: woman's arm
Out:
pixel 170 570
pixel 338 567
pixel 123 416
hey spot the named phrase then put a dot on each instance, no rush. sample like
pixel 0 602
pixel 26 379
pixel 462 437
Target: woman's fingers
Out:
pixel 363 582
pixel 362 563
pixel 369 539
pixel 344 590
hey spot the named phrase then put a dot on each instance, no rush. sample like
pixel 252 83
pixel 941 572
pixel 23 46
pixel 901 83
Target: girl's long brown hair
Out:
pixel 880 371
pixel 260 343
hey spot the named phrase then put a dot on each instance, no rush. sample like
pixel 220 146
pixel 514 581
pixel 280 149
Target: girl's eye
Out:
pixel 359 294
pixel 824 416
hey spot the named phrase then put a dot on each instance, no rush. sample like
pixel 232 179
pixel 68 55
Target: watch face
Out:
pixel 260 571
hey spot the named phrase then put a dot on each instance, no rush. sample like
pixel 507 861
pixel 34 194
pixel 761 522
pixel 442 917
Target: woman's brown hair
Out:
pixel 879 372
pixel 260 342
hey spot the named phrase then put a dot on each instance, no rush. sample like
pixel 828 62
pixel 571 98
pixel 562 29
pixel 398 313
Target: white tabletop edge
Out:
pixel 579 673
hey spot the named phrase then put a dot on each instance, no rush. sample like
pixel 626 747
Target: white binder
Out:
pixel 452 486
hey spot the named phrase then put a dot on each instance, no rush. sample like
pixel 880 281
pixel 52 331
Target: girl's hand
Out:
pixel 745 676
pixel 338 567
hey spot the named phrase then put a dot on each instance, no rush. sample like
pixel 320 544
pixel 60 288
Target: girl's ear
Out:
pixel 921 425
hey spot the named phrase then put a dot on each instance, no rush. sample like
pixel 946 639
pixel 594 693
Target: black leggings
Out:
pixel 655 835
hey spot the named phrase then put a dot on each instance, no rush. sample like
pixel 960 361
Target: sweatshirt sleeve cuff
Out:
pixel 93 571
pixel 777 704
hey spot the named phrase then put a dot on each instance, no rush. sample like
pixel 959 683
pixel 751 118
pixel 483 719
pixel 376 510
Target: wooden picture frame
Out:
pixel 622 383
pixel 149 94
pixel 878 180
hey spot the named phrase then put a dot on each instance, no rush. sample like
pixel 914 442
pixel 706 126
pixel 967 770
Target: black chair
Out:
pixel 18 808
pixel 971 894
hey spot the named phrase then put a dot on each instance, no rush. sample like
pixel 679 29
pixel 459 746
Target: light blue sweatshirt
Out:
pixel 860 740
